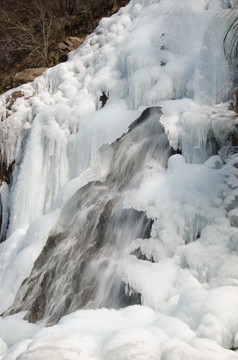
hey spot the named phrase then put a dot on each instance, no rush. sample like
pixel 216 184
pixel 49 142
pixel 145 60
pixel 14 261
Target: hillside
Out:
pixel 41 35
pixel 119 193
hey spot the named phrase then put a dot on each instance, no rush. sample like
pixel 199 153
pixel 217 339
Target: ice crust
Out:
pixel 151 53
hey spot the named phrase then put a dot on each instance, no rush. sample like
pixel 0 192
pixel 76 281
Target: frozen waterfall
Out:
pixel 119 193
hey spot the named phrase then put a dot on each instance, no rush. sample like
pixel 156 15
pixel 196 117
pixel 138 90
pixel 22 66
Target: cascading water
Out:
pixel 78 265
pixel 118 197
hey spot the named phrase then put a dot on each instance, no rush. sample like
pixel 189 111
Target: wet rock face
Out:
pixel 70 275
pixel 5 177
pixel 3 227
pixel 78 266
pixel 6 173
pixel 144 141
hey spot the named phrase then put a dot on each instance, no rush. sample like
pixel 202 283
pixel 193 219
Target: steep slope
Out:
pixel 119 193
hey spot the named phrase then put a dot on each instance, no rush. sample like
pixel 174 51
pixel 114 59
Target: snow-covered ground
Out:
pixel 165 53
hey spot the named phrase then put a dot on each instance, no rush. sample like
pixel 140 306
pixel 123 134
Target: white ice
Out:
pixel 150 53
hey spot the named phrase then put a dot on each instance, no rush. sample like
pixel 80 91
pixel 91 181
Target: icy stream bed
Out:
pixel 119 213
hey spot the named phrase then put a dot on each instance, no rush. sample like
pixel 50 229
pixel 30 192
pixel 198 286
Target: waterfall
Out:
pixel 78 265
pixel 118 193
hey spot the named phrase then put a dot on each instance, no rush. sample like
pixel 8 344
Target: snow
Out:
pixel 133 333
pixel 18 254
pixel 151 53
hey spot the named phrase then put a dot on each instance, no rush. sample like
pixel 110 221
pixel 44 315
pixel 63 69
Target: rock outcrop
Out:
pixel 27 75
pixel 59 55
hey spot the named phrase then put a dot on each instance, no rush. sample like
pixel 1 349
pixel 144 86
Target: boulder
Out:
pixel 70 43
pixel 74 42
pixel 27 75
pixel 64 47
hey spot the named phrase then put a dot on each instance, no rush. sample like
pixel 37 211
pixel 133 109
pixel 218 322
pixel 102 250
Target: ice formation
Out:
pixel 119 193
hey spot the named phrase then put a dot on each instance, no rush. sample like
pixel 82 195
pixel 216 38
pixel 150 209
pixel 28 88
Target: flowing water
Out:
pixel 78 266
pixel 119 192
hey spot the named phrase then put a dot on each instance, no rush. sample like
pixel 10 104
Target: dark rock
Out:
pixel 103 222
pixel 140 256
pixel 64 47
pixel 10 101
pixel 6 172
pixel 132 218
pixel 128 296
pixel 37 310
pixel 103 99
pixel 145 116
pixel 5 176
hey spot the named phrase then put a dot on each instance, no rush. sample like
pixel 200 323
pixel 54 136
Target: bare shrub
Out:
pixel 30 31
